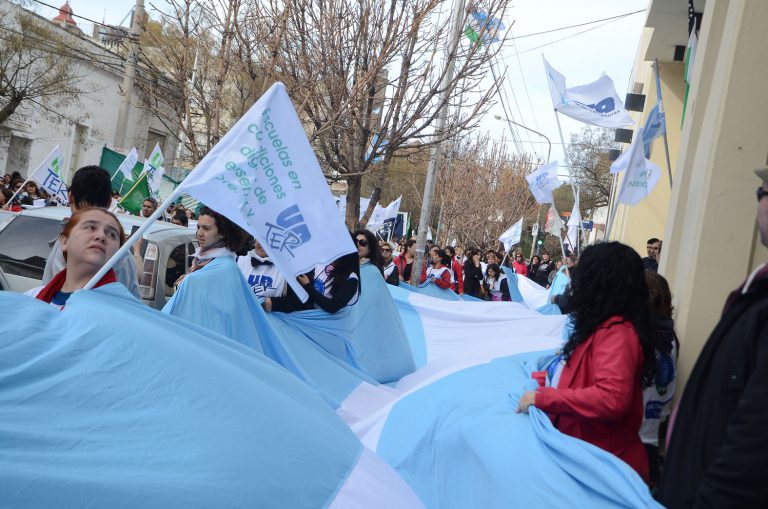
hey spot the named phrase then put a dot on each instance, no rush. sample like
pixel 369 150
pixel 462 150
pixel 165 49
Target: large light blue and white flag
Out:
pixel 641 175
pixel 543 181
pixel 209 426
pixel 511 237
pixel 126 167
pixel 153 167
pixel 48 176
pixel 264 176
pixel 595 103
pixel 656 123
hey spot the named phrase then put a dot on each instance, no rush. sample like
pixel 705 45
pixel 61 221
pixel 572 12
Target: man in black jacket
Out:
pixel 718 454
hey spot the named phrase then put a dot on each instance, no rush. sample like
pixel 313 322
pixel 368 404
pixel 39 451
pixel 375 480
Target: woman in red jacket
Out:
pixel 593 389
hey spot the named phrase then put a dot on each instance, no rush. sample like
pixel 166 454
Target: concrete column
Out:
pixel 710 232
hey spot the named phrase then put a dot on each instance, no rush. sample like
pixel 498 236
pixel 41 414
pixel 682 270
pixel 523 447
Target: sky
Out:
pixel 608 47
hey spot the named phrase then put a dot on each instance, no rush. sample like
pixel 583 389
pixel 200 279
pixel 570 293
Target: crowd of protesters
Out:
pixel 612 382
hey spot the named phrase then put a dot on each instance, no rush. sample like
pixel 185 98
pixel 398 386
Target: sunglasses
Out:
pixel 761 193
pixel 361 242
pixel 385 250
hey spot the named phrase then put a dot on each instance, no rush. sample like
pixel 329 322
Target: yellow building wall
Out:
pixel 635 225
pixel 711 241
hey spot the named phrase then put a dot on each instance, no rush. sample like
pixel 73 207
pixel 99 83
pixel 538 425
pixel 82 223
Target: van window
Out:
pixel 24 245
pixel 178 264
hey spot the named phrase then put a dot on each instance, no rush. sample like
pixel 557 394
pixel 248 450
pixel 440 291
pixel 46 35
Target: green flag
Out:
pixel 134 198
pixel 110 161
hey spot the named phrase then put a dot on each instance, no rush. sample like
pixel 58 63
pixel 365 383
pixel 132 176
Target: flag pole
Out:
pixel 133 239
pixel 132 187
pixel 567 162
pixel 23 185
pixel 666 142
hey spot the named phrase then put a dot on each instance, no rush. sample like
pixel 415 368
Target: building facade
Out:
pixel 88 123
pixel 707 218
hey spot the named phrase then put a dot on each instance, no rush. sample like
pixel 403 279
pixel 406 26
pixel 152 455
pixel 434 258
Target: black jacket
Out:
pixel 542 275
pixel 718 454
pixel 473 277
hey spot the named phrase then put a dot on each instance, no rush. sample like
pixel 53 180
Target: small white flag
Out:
pixel 543 181
pixel 511 237
pixel 48 176
pixel 574 223
pixel 595 103
pixel 264 176
pixel 554 224
pixel 641 175
pixel 126 167
pixel 153 167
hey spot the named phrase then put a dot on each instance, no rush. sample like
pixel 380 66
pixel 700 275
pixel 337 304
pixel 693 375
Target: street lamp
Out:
pixel 549 151
pixel 535 246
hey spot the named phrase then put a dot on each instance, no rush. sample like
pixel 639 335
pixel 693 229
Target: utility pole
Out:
pixel 130 74
pixel 435 152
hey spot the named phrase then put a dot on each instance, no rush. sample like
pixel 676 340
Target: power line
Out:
pixel 580 24
pixel 75 15
pixel 565 38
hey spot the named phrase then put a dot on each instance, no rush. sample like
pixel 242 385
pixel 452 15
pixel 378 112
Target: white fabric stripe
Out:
pixel 533 294
pixel 369 429
pixel 365 400
pixel 373 484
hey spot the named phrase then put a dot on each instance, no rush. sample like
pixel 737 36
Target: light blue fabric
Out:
pixel 414 327
pixel 379 342
pixel 113 404
pixel 459 443
pixel 218 298
pixel 431 290
pixel 559 283
pixel 469 298
pixel 549 309
pixel 514 291
pixel 221 284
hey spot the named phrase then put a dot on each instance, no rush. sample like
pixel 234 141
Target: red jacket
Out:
pixel 599 398
pixel 443 280
pixel 457 287
pixel 520 268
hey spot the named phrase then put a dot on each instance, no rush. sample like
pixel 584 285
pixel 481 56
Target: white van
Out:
pixel 26 239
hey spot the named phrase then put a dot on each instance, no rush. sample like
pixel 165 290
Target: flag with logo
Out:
pixel 482 27
pixel 656 123
pixel 595 103
pixel 554 224
pixel 640 174
pixel 134 198
pixel 48 176
pixel 154 170
pixel 264 176
pixel 543 181
pixel 511 237
pixel 382 221
pixel 126 167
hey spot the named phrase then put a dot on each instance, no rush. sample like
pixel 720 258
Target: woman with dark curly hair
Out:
pixel 594 389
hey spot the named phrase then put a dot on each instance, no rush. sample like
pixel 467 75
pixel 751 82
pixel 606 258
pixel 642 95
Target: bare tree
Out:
pixel 483 193
pixel 366 77
pixel 37 64
pixel 588 155
pixel 190 59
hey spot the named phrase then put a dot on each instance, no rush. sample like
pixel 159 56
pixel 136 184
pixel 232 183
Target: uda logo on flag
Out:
pixel 607 105
pixel 289 230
